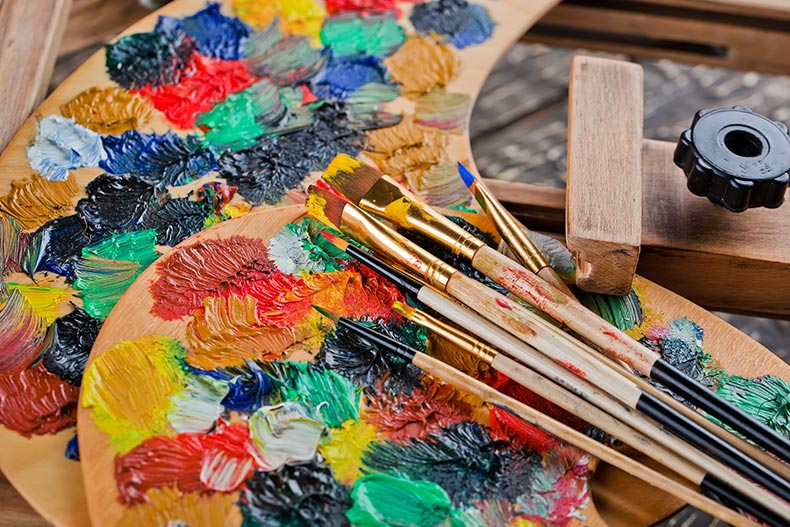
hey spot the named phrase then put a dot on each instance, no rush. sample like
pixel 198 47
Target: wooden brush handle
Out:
pixel 563 308
pixel 665 483
pixel 550 275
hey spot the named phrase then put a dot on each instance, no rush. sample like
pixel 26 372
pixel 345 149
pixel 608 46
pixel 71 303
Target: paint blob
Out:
pixel 108 110
pixel 215 35
pixel 352 35
pixel 62 145
pixel 148 59
pixel 439 66
pixel 463 23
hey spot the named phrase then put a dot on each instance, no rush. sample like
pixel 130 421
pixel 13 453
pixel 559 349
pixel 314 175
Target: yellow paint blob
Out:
pixel 344 448
pixel 47 302
pixel 298 17
pixel 169 506
pixel 237 210
pixel 129 388
pixel 35 201
pixel 521 522
pixel 342 163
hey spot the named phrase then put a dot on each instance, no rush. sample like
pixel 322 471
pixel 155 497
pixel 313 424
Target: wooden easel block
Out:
pixel 603 224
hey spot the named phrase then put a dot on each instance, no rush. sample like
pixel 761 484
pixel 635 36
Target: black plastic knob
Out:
pixel 736 158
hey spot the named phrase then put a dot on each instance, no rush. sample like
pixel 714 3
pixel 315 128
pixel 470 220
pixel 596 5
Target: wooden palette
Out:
pixel 53 485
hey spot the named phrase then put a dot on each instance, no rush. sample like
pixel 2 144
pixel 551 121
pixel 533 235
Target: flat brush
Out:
pixel 463 382
pixel 565 399
pixel 635 399
pixel 365 186
pixel 511 231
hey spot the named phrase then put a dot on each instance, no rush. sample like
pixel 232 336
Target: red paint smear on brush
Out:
pixel 572 367
pixel 503 304
pixel 208 268
pixel 528 397
pixel 34 401
pixel 509 426
pixel 424 411
pixel 205 82
pixel 165 462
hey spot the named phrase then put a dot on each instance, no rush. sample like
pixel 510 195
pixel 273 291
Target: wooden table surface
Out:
pixel 519 133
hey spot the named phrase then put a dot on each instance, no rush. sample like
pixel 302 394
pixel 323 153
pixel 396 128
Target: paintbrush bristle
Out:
pixel 325 206
pixel 468 178
pixel 328 314
pixel 350 177
pixel 403 309
pixel 337 241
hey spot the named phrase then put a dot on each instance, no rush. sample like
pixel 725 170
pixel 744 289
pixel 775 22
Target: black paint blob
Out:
pixel 295 495
pixel 463 459
pixel 73 338
pixel 61 241
pixel 148 59
pixel 177 220
pixel 265 172
pixel 118 203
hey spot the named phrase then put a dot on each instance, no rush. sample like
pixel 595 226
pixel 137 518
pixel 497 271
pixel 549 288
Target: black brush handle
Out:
pixel 696 435
pixel 716 489
pixel 402 280
pixel 724 411
pixel 400 349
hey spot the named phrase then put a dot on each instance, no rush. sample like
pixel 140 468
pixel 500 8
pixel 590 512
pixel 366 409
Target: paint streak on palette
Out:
pixel 208 117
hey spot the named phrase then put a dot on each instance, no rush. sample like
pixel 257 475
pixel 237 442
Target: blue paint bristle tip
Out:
pixel 466 175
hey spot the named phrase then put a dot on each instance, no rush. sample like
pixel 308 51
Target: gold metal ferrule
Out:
pixel 510 230
pixel 468 343
pixel 374 234
pixel 390 200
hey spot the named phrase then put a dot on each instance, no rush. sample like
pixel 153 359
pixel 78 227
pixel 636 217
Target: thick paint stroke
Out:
pixel 204 83
pixel 299 17
pixel 401 416
pixel 444 111
pixel 439 65
pixel 34 202
pixel 344 447
pixel 366 106
pixel 381 500
pixel 214 34
pixel 48 302
pixel 343 75
pixel 266 171
pixel 509 426
pixel 72 340
pixel 284 434
pixel 170 506
pixel 14 245
pixel 197 407
pixel 218 461
pixel 118 203
pixel 23 334
pixel 248 390
pixel 62 145
pixel 60 242
pixel 106 270
pixel 127 414
pixel 464 459
pixel 295 495
pixel 108 110
pixel 363 7
pixel 371 35
pixel 161 160
pixel 464 24
pixel 177 220
pixel 284 60
pixel 148 59
pixel 766 398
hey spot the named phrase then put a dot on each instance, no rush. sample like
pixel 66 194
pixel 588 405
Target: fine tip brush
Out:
pixel 444 372
pixel 381 195
pixel 511 230
pixel 505 314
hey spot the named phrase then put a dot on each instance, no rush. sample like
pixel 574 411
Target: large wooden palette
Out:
pixel 618 500
pixel 53 485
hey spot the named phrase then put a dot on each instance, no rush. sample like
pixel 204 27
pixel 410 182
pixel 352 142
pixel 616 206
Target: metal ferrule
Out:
pixel 390 200
pixel 469 344
pixel 511 231
pixel 374 234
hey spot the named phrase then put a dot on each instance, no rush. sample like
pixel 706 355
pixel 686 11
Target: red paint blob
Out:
pixel 167 462
pixel 510 426
pixel 363 6
pixel 35 401
pixel 504 304
pixel 307 95
pixel 205 82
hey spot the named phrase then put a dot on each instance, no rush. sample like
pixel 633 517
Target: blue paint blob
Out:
pixel 215 34
pixel 60 244
pixel 344 75
pixel 464 24
pixel 248 391
pixel 73 449
pixel 161 160
pixel 62 145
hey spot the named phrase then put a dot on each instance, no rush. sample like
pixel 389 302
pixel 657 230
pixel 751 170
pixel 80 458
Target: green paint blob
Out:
pixel 384 501
pixel 765 398
pixel 238 121
pixel 625 312
pixel 298 248
pixel 328 397
pixel 352 35
pixel 107 269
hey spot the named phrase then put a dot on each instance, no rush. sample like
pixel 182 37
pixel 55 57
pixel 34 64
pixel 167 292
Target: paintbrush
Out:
pixel 382 195
pixel 512 231
pixel 644 439
pixel 458 379
pixel 526 326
